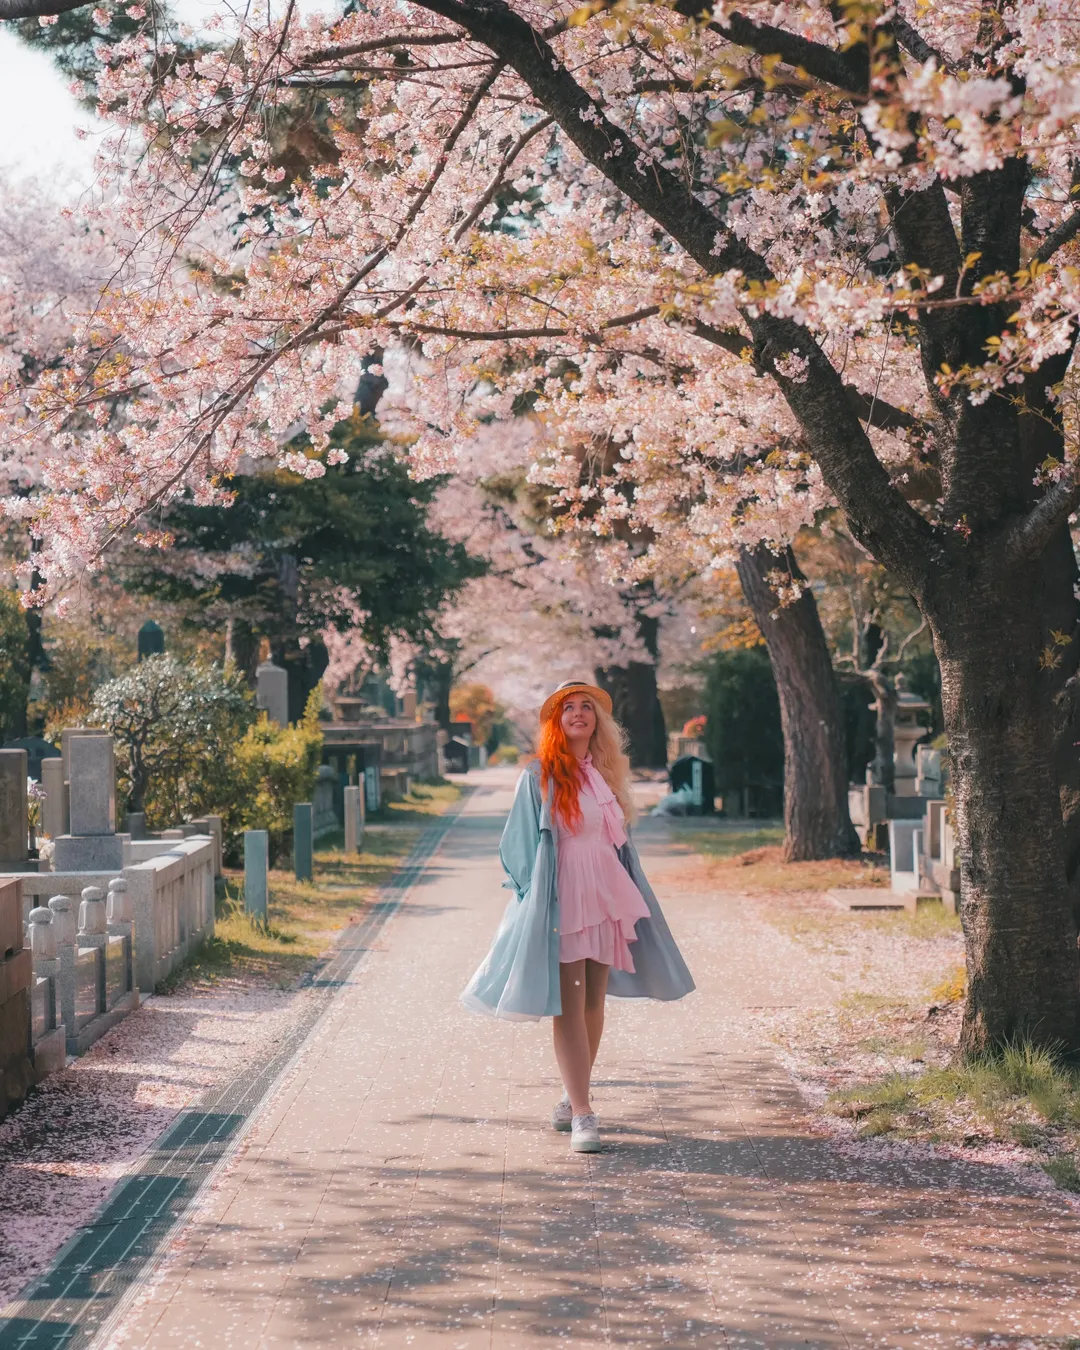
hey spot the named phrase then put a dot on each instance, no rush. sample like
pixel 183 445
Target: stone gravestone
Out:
pixel 13 811
pixel 303 842
pixel 354 820
pixel 151 640
pixel 928 778
pixel 91 844
pixel 256 857
pixel 54 813
pixel 272 692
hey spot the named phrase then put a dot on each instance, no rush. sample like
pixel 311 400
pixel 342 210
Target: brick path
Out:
pixel 403 1189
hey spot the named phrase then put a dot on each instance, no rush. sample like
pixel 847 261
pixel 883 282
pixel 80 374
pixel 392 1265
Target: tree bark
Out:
pixel 1016 910
pixel 816 819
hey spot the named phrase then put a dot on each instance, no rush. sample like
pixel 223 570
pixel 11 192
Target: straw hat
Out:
pixel 553 698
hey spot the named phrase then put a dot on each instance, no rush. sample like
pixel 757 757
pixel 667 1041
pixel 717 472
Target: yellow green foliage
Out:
pixel 275 769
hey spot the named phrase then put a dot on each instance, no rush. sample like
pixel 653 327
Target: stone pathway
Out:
pixel 402 1187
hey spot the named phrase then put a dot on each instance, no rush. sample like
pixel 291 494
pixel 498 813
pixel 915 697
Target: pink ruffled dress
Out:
pixel 598 902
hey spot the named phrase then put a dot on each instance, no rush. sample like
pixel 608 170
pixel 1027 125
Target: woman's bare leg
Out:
pixel 596 977
pixel 572 1050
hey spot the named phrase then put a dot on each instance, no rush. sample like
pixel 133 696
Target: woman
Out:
pixel 584 922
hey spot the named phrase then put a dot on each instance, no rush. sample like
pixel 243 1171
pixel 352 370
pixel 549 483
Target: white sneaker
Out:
pixel 585 1134
pixel 562 1114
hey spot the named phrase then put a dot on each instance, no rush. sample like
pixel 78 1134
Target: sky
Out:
pixel 39 117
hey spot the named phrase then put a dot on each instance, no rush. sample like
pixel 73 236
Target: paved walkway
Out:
pixel 403 1189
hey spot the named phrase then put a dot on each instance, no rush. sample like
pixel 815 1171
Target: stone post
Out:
pixel 272 692
pixel 119 915
pixel 13 811
pixel 54 808
pixel 256 859
pixel 46 961
pixel 94 932
pixel 354 820
pixel 303 842
pixel 64 921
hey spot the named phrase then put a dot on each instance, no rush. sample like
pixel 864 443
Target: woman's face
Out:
pixel 578 720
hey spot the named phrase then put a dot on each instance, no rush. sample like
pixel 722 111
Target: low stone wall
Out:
pixel 16 1069
pixel 173 900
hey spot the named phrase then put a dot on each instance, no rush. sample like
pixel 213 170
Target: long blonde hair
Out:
pixel 559 771
pixel 608 750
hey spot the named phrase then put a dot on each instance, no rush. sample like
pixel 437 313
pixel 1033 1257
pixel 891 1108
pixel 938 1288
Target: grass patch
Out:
pixel 304 917
pixel 1023 1094
pixel 1063 1171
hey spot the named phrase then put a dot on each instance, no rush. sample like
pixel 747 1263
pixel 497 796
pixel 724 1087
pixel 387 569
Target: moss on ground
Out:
pixel 304 917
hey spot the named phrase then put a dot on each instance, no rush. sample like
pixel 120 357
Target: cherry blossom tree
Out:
pixel 52 269
pixel 857 217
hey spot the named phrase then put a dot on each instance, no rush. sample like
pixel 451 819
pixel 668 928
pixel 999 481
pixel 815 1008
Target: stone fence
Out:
pixel 172 894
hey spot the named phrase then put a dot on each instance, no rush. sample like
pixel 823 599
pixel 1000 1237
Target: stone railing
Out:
pixel 172 894
pixel 83 968
pixel 173 899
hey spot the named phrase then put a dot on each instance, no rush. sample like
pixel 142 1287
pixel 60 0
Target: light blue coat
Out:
pixel 519 977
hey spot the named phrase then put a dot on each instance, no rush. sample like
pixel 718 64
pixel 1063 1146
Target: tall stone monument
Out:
pixel 91 844
pixel 54 809
pixel 272 692
pixel 13 811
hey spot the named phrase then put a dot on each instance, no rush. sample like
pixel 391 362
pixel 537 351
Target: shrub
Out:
pixel 505 754
pixel 14 662
pixel 275 769
pixel 743 733
pixel 176 725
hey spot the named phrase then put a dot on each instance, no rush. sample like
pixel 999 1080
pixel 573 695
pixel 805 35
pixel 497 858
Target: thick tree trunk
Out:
pixel 816 820
pixel 636 706
pixel 635 701
pixel 1021 936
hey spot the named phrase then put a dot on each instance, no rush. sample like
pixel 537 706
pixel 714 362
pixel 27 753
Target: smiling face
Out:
pixel 578 721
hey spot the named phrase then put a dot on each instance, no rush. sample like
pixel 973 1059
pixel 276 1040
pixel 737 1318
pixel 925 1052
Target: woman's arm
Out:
pixel 521 836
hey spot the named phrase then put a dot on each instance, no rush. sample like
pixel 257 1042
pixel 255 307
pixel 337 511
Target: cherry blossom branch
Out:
pixel 328 55
pixel 497 178
pixel 915 43
pixel 861 483
pixel 1030 535
pixel 848 70
pixel 1059 237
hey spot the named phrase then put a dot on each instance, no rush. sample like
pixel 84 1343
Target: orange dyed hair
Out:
pixel 560 776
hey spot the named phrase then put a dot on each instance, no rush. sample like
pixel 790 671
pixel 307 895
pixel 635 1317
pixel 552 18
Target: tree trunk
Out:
pixel 635 702
pixel 884 766
pixel 816 820
pixel 242 648
pixel 1021 935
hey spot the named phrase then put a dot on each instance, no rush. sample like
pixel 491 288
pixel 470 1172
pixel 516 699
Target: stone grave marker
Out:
pixel 13 811
pixel 303 842
pixel 354 819
pixel 256 861
pixel 91 843
pixel 272 692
